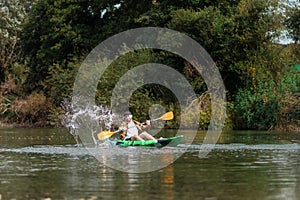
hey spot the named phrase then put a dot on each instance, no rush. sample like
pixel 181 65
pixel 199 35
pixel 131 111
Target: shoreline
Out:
pixel 33 126
pixel 24 125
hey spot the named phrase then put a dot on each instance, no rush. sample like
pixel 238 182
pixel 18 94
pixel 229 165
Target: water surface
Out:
pixel 47 163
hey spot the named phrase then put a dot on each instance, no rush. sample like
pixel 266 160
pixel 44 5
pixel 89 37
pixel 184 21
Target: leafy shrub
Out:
pixel 289 118
pixel 60 81
pixel 200 106
pixel 32 109
pixel 289 114
pixel 256 109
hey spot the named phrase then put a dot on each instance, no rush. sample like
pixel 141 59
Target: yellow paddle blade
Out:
pixel 167 116
pixel 104 134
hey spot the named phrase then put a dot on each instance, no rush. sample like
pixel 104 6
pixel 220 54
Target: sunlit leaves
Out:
pixel 12 16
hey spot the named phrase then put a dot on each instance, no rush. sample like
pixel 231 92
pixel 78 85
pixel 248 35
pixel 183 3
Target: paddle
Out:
pixel 107 134
pixel 166 116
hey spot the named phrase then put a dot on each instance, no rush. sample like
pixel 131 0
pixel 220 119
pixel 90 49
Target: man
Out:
pixel 134 130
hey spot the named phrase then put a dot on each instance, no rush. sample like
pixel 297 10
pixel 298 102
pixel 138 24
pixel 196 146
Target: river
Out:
pixel 47 164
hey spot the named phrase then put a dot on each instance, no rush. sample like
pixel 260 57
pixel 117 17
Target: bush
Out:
pixel 59 83
pixel 289 119
pixel 200 106
pixel 289 114
pixel 33 109
pixel 257 109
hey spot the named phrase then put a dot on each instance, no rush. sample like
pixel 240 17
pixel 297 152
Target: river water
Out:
pixel 47 164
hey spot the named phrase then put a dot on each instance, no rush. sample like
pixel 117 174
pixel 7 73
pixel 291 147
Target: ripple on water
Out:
pixel 107 149
pixel 237 147
pixel 49 149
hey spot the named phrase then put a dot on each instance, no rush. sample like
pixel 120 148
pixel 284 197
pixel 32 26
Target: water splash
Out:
pixel 94 118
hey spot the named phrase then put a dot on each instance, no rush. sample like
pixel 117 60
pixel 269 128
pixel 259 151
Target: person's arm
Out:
pixel 123 130
pixel 146 125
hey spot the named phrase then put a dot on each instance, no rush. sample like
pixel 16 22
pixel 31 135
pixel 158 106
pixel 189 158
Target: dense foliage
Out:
pixel 43 48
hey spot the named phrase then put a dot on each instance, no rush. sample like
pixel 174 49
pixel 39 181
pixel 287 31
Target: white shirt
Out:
pixel 131 130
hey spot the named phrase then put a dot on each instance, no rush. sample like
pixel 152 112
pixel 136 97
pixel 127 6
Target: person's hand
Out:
pixel 123 128
pixel 148 122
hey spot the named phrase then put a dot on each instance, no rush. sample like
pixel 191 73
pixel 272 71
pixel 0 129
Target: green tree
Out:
pixel 233 36
pixel 57 31
pixel 292 22
pixel 238 34
pixel 12 16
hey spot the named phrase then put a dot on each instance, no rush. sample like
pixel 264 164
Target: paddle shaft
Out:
pixel 153 120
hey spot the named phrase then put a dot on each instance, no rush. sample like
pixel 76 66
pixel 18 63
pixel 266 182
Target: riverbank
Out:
pixel 283 128
pixel 25 125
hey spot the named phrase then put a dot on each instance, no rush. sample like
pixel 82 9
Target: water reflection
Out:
pixel 167 182
pixel 136 160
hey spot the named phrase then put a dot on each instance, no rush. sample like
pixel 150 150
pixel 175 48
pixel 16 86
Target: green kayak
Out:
pixel 171 142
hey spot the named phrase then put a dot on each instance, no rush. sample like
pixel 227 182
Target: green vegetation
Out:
pixel 43 43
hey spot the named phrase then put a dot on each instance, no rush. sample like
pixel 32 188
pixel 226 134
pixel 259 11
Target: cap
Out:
pixel 127 113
